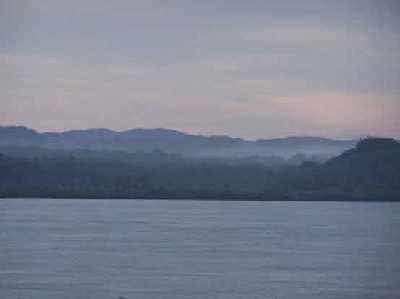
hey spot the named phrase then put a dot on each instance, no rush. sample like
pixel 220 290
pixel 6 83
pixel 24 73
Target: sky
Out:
pixel 252 69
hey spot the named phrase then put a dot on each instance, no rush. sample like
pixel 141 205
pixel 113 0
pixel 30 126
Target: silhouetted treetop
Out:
pixel 376 144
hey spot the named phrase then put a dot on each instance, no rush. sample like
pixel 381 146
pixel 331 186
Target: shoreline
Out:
pixel 201 199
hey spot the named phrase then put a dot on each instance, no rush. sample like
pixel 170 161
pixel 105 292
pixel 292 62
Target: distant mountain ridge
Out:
pixel 172 141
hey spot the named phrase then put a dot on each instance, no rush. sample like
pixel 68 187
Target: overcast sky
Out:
pixel 252 69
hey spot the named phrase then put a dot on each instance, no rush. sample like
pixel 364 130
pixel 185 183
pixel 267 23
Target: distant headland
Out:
pixel 167 164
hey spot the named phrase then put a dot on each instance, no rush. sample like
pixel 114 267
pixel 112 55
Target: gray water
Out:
pixel 99 249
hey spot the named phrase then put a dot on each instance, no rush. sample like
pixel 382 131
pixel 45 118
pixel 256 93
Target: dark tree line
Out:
pixel 371 171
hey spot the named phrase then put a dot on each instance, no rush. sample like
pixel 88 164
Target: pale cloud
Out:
pixel 360 112
pixel 257 69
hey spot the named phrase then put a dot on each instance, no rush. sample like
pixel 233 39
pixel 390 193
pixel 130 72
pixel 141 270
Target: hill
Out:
pixel 172 141
pixel 369 172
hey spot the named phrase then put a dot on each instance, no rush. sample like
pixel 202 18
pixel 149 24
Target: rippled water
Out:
pixel 107 249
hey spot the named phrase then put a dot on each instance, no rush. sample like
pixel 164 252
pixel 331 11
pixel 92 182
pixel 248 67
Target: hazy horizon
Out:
pixel 255 70
pixel 191 133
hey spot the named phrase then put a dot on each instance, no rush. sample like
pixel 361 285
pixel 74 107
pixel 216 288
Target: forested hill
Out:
pixel 172 141
pixel 370 171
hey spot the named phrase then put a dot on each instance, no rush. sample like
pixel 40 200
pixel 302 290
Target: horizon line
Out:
pixel 194 134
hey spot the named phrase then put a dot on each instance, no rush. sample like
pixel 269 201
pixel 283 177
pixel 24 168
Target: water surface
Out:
pixel 104 249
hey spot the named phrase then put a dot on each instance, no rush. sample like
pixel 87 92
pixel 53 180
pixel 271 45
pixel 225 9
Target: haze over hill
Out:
pixel 172 141
pixel 370 171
